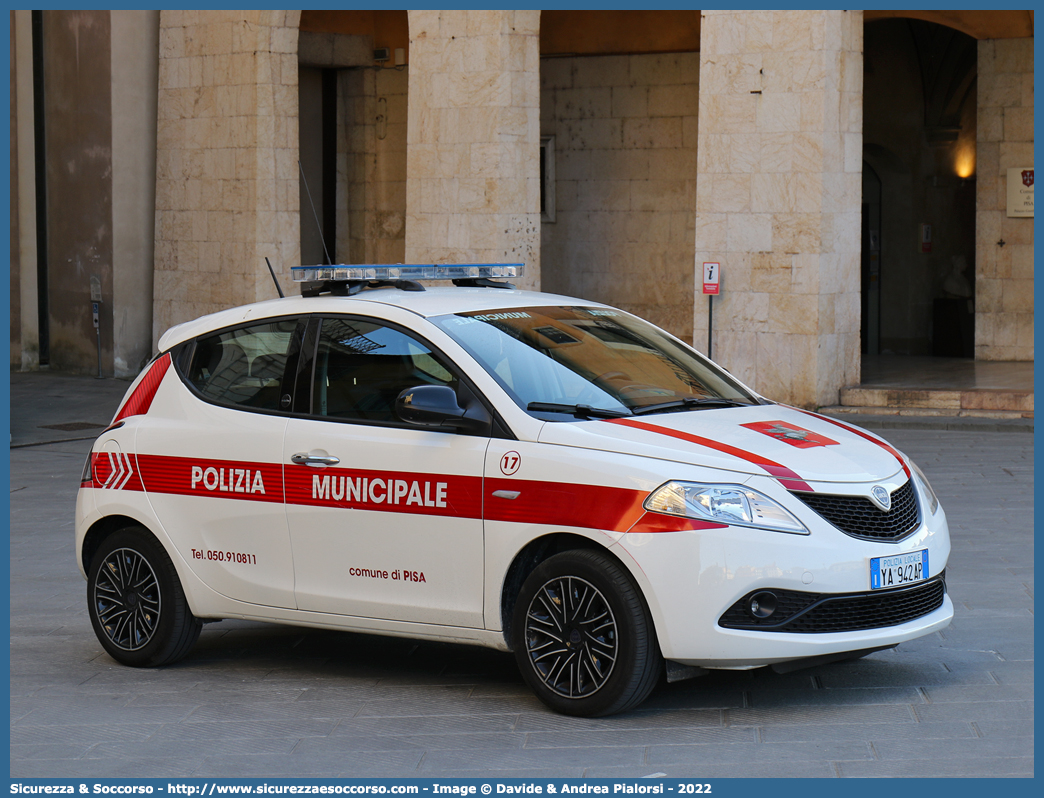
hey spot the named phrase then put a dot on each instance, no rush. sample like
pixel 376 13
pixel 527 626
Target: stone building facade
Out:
pixel 473 139
pixel 614 152
pixel 227 185
pixel 1004 245
pixel 623 130
pixel 778 195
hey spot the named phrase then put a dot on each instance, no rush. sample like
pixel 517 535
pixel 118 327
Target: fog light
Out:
pixel 763 604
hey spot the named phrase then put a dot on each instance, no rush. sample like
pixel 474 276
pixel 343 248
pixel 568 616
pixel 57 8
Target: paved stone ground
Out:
pixel 41 400
pixel 259 700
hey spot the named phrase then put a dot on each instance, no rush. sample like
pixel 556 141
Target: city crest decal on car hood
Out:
pixel 793 447
pixel 791 433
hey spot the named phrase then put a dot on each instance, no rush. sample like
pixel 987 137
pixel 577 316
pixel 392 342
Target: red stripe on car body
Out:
pixel 139 402
pixel 449 495
pixel 790 479
pixel 113 471
pixel 861 434
pixel 658 522
pixel 558 504
pixel 385 491
pixel 215 478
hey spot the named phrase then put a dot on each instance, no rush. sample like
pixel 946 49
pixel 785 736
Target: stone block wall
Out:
pixel 778 200
pixel 227 184
pixel 1004 274
pixel 135 57
pixel 371 164
pixel 625 132
pixel 473 185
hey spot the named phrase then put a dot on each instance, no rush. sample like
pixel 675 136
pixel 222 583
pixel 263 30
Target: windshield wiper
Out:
pixel 577 411
pixel 689 403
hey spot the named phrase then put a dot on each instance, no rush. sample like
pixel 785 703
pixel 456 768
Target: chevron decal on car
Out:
pixel 115 471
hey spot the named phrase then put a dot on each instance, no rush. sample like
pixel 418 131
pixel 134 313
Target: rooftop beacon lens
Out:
pixel 413 271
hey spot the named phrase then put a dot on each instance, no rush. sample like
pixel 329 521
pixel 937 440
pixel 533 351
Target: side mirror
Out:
pixel 435 406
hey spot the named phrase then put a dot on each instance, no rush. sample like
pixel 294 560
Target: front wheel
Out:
pixel 136 602
pixel 582 636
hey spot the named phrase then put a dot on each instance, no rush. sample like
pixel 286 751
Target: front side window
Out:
pixel 362 366
pixel 575 361
pixel 244 366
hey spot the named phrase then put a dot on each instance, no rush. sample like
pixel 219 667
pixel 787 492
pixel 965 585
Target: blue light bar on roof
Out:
pixel 411 271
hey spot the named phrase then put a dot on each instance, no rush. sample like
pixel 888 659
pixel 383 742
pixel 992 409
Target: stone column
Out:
pixel 227 183
pixel 135 53
pixel 473 139
pixel 1003 272
pixel 372 182
pixel 778 198
pixel 25 339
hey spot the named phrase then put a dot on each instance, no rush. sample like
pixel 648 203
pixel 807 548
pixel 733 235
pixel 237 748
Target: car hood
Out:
pixel 792 445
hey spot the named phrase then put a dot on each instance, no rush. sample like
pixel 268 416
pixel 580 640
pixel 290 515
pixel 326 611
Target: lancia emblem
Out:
pixel 880 497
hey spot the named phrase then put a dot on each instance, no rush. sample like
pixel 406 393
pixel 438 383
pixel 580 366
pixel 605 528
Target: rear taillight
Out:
pixel 87 477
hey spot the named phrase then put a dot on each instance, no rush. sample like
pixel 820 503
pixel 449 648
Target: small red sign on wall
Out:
pixel 711 278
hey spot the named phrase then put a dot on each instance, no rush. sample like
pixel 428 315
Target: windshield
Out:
pixel 559 362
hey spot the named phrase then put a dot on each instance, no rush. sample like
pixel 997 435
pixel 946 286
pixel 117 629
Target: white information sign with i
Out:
pixel 711 278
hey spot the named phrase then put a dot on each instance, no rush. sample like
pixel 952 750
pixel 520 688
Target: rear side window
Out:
pixel 244 366
pixel 361 367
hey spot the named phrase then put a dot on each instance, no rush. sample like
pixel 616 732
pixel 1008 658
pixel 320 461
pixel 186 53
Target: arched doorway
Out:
pixel 870 271
pixel 352 103
pixel 919 134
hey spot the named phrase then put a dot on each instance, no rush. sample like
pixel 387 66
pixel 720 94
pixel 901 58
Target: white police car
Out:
pixel 517 470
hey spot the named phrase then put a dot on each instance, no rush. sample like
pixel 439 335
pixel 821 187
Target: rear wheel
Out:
pixel 136 602
pixel 582 636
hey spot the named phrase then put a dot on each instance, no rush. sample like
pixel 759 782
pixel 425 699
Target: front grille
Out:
pixel 817 613
pixel 859 517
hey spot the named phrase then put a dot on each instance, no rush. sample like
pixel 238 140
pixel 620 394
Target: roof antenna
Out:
pixel 315 216
pixel 274 279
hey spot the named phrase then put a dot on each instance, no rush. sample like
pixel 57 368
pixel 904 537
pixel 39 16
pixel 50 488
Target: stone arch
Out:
pixel 977 24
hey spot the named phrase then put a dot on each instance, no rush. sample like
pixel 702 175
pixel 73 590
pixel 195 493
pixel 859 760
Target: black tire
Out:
pixel 136 602
pixel 582 636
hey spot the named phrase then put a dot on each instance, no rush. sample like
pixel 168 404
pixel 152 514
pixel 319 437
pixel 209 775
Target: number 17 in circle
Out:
pixel 510 462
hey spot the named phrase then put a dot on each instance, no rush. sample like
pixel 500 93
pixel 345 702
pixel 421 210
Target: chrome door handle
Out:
pixel 314 460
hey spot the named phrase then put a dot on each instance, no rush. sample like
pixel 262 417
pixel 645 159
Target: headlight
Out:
pixel 724 504
pixel 926 489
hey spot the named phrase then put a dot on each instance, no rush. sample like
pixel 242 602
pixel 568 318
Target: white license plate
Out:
pixel 898 570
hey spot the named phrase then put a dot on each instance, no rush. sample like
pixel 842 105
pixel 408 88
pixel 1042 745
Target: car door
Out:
pixel 385 518
pixel 210 459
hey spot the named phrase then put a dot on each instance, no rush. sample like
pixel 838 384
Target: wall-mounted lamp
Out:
pixel 964 163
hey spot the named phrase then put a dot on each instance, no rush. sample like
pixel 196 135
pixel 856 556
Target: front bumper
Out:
pixel 693 579
pixel 750 649
pixel 814 613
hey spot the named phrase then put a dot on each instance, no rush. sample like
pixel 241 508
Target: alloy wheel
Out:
pixel 127 599
pixel 571 637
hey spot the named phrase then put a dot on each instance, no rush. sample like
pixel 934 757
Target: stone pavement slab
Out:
pixel 256 700
pixel 50 406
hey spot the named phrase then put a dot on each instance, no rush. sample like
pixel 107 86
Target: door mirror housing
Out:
pixel 437 406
